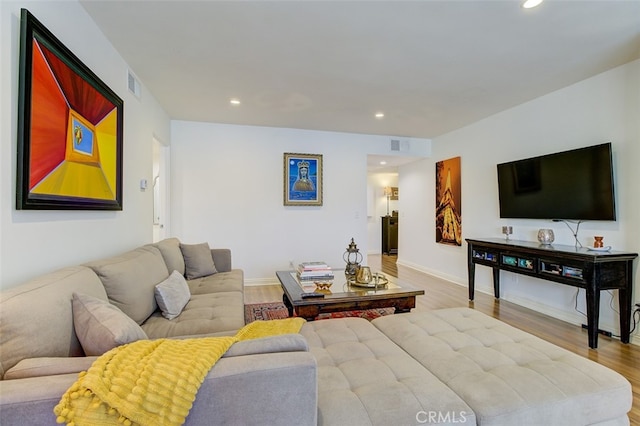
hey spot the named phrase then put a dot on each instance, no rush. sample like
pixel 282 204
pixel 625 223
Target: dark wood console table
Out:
pixel 578 267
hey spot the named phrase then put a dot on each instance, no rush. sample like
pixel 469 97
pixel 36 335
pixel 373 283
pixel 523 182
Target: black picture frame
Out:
pixel 70 128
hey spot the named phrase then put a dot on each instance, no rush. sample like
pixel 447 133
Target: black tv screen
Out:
pixel 572 185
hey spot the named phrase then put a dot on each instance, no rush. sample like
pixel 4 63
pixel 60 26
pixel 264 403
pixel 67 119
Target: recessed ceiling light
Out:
pixel 234 101
pixel 382 163
pixel 528 4
pixel 379 115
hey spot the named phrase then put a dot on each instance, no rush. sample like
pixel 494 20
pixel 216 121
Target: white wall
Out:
pixel 34 242
pixel 603 108
pixel 227 189
pixel 376 182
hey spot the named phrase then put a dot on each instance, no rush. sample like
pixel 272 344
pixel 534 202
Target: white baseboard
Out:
pixel 571 318
pixel 432 272
pixel 255 282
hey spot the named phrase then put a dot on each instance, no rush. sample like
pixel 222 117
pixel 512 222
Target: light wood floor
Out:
pixel 623 358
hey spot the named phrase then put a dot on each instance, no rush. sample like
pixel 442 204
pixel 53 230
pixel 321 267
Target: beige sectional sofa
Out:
pixel 449 366
pixel 41 354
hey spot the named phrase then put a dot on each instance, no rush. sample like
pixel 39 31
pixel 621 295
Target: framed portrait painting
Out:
pixel 302 179
pixel 70 127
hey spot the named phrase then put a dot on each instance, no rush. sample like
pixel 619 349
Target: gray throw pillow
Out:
pixel 172 295
pixel 198 261
pixel 101 326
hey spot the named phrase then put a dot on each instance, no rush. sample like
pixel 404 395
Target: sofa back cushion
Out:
pixel 130 280
pixel 171 253
pixel 198 260
pixel 36 318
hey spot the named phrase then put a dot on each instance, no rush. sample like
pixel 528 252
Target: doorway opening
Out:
pixel 383 204
pixel 160 191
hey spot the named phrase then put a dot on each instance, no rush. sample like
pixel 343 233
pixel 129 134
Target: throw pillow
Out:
pixel 172 295
pixel 198 261
pixel 101 326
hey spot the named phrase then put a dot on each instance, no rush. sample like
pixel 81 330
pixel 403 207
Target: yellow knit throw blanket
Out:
pixel 152 382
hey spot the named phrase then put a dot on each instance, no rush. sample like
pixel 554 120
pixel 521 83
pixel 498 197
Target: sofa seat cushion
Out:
pixel 221 282
pixel 49 366
pixel 204 314
pixel 508 376
pixel 365 379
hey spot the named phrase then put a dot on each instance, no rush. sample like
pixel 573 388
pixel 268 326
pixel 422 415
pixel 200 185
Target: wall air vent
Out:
pixel 400 145
pixel 133 84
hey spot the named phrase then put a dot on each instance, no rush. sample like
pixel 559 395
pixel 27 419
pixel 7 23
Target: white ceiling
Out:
pixel 431 66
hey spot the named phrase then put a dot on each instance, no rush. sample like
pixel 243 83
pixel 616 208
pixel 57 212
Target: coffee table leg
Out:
pixel 405 305
pixel 288 304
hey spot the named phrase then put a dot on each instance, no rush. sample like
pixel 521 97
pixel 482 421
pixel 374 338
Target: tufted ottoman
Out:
pixel 365 379
pixel 507 376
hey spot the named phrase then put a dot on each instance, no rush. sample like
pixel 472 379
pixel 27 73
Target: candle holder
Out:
pixel 545 236
pixel 352 258
pixel 507 230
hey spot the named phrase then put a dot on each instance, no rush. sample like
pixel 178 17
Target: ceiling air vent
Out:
pixel 395 144
pixel 133 84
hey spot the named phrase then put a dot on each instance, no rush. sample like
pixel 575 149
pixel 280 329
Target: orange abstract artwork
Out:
pixel 448 202
pixel 71 148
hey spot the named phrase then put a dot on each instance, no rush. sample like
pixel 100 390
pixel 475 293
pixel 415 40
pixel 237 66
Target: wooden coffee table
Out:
pixel 345 297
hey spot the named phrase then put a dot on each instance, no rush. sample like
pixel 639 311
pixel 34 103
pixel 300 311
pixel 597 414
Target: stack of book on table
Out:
pixel 314 271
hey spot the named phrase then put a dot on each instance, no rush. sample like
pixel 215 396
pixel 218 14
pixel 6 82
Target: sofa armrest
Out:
pixel 271 344
pixel 31 401
pixel 222 259
pixel 278 389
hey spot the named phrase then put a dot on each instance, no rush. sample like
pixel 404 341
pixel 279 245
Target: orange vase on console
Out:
pixel 598 242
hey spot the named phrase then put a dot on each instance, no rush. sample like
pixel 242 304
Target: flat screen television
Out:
pixel 570 185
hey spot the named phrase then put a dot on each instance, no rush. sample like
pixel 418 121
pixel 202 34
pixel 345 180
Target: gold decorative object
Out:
pixel 377 280
pixel 363 275
pixel 323 285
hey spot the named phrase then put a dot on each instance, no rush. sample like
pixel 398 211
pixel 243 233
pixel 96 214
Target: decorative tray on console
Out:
pixel 378 280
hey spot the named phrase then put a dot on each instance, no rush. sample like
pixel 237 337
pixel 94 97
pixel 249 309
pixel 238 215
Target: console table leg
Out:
pixel 471 268
pixel 593 315
pixel 624 301
pixel 472 277
pixel 496 283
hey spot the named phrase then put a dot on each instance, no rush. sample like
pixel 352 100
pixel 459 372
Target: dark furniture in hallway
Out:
pixel 389 234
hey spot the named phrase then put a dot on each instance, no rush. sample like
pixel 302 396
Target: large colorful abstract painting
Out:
pixel 69 128
pixel 448 202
